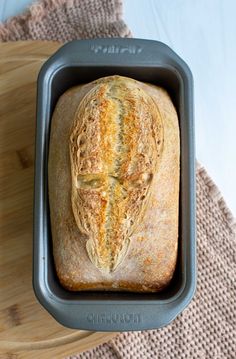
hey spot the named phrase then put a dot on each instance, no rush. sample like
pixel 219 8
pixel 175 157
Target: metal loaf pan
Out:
pixel 80 62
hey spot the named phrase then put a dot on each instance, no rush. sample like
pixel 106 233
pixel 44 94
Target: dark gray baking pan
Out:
pixel 83 61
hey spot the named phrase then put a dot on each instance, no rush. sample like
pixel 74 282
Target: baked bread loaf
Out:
pixel 114 186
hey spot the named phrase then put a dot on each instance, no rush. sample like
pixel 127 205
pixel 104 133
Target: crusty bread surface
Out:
pixel 114 186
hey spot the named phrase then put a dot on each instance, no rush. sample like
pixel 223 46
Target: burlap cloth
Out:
pixel 207 328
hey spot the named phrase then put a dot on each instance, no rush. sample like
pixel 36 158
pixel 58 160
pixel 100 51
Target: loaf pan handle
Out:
pixel 116 52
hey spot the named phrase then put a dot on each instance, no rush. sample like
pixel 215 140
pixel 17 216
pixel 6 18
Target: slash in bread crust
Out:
pixel 115 146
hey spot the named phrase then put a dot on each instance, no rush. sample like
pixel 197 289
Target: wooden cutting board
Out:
pixel 26 329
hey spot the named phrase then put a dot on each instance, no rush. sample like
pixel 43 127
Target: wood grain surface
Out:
pixel 26 329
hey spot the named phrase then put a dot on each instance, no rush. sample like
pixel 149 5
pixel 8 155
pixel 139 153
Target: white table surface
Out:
pixel 203 33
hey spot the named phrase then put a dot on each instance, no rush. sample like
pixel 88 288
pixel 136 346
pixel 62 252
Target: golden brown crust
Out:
pixel 115 146
pixel 121 165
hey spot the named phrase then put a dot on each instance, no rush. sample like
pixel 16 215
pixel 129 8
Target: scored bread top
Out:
pixel 116 143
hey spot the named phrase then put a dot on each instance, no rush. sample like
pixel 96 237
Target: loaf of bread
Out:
pixel 113 176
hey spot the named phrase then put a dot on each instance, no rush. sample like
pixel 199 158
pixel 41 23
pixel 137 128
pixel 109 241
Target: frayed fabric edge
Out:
pixel 38 10
pixel 34 12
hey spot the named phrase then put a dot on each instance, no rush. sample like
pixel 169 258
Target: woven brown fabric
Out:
pixel 207 328
pixel 65 20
